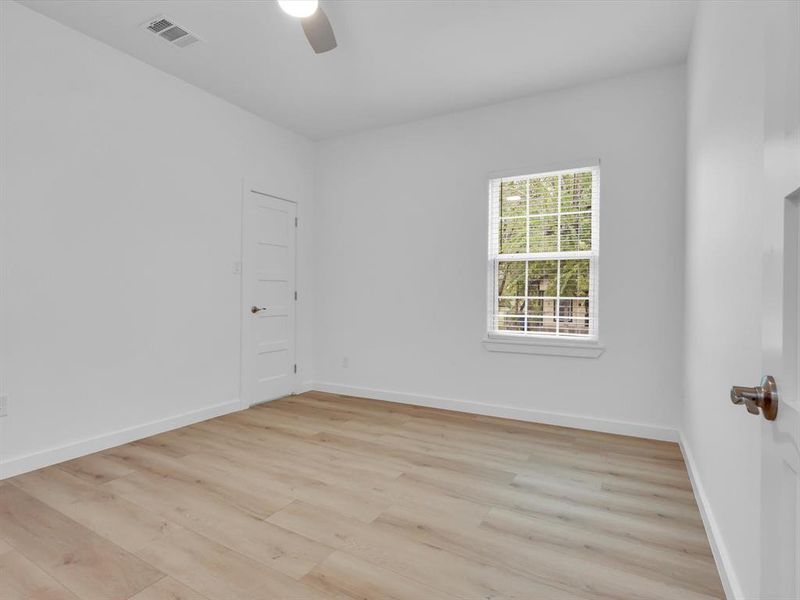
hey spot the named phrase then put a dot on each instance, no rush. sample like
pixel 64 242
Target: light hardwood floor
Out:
pixel 323 496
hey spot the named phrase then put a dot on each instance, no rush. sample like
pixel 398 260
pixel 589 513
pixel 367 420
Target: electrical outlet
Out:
pixel 3 406
pixel 237 267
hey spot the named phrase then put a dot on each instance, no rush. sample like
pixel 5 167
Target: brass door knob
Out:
pixel 764 397
pixel 257 309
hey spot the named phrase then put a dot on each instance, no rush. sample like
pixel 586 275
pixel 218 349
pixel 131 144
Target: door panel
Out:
pixel 268 287
pixel 780 439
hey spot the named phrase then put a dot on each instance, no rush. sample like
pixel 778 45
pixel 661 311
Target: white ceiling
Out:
pixel 397 60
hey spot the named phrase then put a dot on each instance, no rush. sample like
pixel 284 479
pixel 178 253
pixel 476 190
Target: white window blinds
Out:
pixel 543 250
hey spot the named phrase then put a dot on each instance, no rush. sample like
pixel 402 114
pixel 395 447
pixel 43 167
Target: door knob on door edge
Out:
pixel 764 396
pixel 257 309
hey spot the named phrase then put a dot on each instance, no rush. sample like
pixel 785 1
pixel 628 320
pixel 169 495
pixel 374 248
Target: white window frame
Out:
pixel 559 344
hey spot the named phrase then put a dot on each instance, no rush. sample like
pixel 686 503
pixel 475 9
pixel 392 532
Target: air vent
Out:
pixel 159 26
pixel 167 30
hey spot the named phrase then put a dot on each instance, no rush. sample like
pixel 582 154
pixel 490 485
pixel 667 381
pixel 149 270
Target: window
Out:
pixel 543 249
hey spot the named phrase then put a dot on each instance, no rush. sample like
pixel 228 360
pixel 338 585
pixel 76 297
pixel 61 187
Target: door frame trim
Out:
pixel 257 186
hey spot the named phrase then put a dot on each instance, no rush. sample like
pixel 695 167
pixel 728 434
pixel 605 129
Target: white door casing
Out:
pixel 780 439
pixel 269 232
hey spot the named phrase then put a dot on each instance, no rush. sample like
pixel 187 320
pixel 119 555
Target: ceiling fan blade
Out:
pixel 319 32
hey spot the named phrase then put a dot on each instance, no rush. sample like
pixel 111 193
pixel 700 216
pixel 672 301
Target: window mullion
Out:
pixel 558 226
pixel 558 268
pixel 527 249
pixel 527 215
pixel 558 296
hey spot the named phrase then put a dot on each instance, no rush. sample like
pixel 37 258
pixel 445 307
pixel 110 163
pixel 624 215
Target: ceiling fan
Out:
pixel 315 23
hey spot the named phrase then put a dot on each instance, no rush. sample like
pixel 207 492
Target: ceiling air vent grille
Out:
pixel 167 30
pixel 159 26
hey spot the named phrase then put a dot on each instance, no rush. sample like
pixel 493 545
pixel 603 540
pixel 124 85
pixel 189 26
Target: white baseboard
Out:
pixel 653 432
pixel 730 583
pixel 51 456
pixel 304 386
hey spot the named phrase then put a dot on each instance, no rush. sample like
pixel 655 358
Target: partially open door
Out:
pixel 780 439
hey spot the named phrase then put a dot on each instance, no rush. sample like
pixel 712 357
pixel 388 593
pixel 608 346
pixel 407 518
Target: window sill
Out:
pixel 555 347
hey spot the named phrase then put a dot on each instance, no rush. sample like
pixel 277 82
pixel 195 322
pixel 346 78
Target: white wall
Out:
pixel 723 275
pixel 121 220
pixel 402 240
pixel 121 223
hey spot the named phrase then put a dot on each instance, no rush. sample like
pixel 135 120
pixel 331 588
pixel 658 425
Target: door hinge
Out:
pixel 295 295
pixel 295 221
pixel 295 368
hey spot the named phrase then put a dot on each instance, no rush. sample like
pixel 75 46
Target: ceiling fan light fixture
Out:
pixel 299 8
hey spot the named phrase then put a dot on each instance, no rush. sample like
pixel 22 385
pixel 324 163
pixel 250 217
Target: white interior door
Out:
pixel 780 489
pixel 268 296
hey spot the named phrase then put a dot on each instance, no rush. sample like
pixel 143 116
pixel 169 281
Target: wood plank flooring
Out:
pixel 324 496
